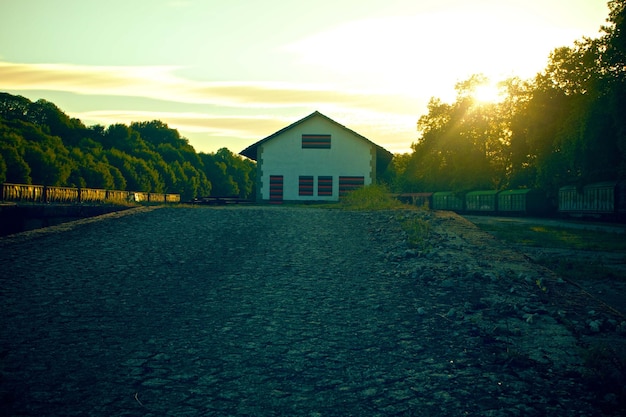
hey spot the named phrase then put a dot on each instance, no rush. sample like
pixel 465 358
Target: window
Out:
pixel 305 185
pixel 315 141
pixel 347 184
pixel 276 188
pixel 324 186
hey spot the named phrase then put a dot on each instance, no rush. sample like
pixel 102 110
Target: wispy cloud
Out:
pixel 90 80
pixel 161 83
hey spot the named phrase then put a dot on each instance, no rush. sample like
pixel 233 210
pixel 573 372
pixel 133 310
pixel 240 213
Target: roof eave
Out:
pixel 250 152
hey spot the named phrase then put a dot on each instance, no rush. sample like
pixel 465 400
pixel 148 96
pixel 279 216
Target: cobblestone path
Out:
pixel 253 311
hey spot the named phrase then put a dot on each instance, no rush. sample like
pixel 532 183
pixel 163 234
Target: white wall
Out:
pixel 348 155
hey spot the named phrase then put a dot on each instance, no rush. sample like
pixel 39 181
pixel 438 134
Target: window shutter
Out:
pixel 305 185
pixel 324 186
pixel 315 141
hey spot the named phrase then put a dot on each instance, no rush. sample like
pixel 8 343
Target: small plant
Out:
pixel 418 232
pixel 540 285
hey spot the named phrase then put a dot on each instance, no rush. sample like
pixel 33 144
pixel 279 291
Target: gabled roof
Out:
pixel 383 156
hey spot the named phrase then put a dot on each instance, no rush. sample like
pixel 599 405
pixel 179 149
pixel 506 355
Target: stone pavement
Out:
pixel 247 311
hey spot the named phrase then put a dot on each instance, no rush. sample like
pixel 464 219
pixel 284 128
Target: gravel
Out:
pixel 282 311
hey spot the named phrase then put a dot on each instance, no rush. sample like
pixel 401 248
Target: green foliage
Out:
pixel 418 232
pixel 158 133
pixel 370 197
pixel 234 176
pixel 394 175
pixel 40 144
pixel 11 149
pixel 566 125
pixel 460 145
pixel 3 169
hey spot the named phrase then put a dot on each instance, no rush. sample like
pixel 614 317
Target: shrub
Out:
pixel 370 197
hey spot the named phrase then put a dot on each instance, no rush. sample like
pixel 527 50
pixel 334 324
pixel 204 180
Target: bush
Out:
pixel 370 197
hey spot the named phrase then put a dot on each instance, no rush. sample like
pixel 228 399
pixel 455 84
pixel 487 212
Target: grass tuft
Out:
pixel 418 233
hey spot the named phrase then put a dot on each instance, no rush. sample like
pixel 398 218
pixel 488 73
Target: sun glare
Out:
pixel 488 93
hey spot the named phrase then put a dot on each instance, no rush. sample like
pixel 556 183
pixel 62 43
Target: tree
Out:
pixel 614 60
pixel 587 134
pixel 222 184
pixel 158 133
pixel 614 57
pixel 394 175
pixel 90 172
pixel 3 169
pixel 565 125
pixel 230 174
pixel 461 144
pixel 54 122
pixel 42 144
pixel 169 153
pixel 239 170
pixel 124 164
pixel 11 149
pixel 196 183
pixel 121 137
pixel 521 168
pixel 13 107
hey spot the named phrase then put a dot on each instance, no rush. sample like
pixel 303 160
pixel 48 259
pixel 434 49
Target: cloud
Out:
pixel 241 110
pixel 426 54
pixel 83 79
pixel 161 83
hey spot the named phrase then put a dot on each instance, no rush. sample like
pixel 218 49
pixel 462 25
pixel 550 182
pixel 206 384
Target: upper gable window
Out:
pixel 315 141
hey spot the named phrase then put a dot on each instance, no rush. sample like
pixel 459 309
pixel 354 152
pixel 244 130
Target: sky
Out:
pixel 226 74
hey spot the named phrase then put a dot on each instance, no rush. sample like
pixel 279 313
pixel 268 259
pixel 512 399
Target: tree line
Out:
pixel 567 125
pixel 40 144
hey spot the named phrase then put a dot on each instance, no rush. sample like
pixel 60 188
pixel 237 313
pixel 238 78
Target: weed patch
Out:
pixel 418 232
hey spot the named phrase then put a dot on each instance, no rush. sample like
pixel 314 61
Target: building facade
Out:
pixel 314 159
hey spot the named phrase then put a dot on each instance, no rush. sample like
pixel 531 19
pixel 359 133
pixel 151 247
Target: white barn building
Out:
pixel 314 159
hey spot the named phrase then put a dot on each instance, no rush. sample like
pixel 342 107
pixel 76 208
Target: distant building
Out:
pixel 314 159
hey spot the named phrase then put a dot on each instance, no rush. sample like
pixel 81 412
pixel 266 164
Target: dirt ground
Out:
pixel 293 311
